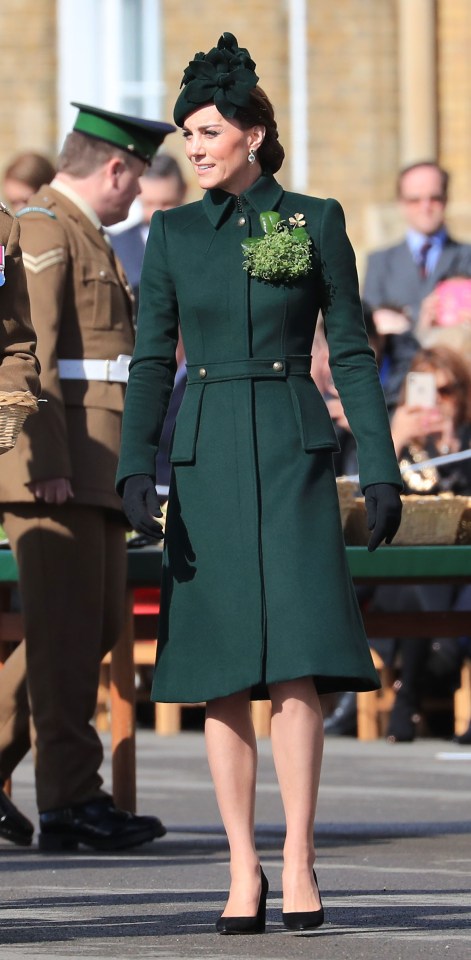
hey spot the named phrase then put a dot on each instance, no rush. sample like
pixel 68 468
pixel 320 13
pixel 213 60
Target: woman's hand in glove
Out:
pixel 141 505
pixel 383 511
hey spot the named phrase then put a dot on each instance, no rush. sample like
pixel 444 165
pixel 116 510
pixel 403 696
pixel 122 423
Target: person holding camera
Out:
pixel 433 418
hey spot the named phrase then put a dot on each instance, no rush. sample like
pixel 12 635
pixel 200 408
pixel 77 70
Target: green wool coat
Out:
pixel 255 584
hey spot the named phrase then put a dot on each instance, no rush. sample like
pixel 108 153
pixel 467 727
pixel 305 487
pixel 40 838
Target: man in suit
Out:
pixel 57 498
pixel 403 274
pixel 162 187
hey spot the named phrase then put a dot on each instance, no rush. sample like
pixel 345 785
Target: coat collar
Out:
pixel 264 194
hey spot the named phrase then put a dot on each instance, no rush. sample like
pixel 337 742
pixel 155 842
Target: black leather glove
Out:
pixel 141 505
pixel 383 511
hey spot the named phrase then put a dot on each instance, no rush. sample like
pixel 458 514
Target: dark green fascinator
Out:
pixel 224 76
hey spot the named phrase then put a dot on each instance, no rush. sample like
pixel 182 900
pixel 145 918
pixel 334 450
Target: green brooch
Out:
pixel 283 253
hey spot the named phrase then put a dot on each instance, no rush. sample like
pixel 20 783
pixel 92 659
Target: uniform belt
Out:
pixel 110 371
pixel 276 368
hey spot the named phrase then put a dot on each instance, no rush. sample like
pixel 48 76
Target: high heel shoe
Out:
pixel 240 925
pixel 305 919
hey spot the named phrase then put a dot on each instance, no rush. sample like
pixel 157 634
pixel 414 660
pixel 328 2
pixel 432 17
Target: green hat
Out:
pixel 139 137
pixel 224 76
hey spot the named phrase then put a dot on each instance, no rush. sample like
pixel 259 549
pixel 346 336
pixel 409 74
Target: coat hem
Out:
pixel 259 691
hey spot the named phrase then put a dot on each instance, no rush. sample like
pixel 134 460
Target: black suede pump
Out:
pixel 243 925
pixel 305 919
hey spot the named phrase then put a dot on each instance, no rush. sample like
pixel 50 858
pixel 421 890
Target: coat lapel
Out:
pixel 264 194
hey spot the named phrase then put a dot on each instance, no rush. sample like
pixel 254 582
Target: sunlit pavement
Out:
pixel 394 863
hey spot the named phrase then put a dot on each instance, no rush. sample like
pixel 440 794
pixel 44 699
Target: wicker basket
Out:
pixel 14 408
pixel 428 520
pixel 347 490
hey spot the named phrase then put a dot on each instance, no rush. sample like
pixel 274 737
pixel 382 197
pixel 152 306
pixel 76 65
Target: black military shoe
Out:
pixel 98 824
pixel 13 825
pixel 342 722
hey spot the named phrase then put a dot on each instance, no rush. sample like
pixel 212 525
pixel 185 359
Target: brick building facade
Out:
pixel 373 101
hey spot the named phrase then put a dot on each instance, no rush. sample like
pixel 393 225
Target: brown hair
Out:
pixel 163 167
pixel 260 112
pixel 31 168
pixel 81 154
pixel 450 362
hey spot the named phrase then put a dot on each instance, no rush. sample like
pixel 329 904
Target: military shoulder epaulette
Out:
pixel 49 213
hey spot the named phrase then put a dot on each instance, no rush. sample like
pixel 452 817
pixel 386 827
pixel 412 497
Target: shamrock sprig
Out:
pixel 283 253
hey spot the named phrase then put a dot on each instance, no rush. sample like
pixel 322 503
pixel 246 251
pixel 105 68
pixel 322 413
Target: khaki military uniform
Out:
pixel 18 364
pixel 71 558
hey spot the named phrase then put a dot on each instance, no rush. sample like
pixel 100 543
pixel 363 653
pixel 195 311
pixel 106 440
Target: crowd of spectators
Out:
pixel 417 307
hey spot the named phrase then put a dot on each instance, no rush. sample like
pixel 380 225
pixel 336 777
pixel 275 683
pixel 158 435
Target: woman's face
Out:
pixel 448 390
pixel 447 393
pixel 218 150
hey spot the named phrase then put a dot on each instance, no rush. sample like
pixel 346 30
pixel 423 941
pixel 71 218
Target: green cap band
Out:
pixel 139 137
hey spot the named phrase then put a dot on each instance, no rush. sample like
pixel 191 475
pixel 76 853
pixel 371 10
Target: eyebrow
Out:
pixel 205 126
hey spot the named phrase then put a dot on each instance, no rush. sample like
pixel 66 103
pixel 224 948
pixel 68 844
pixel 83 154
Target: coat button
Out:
pixel 203 372
pixel 102 273
pixel 278 366
pixel 241 222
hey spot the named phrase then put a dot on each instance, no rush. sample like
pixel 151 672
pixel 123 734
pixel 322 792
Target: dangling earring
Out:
pixel 251 157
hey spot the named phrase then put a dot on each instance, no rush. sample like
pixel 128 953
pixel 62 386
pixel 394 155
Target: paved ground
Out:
pixel 394 864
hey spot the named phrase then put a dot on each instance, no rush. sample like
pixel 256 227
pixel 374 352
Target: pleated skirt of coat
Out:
pixel 255 583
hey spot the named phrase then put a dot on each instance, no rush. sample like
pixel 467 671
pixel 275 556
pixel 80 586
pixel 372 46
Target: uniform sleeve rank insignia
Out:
pixel 2 265
pixel 48 259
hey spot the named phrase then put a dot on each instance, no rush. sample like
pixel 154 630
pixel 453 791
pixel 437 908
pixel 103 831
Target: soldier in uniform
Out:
pixel 58 503
pixel 19 366
pixel 19 370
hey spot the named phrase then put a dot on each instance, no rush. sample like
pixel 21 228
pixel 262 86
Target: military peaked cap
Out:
pixel 137 136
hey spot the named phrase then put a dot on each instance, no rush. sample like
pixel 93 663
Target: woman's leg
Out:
pixel 297 740
pixel 232 757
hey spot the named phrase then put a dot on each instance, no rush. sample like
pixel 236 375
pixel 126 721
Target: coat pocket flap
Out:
pixel 315 426
pixel 183 445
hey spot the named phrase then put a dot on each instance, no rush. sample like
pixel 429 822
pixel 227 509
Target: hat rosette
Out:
pixel 224 76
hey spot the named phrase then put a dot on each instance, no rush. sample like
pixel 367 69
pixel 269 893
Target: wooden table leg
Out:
pixel 462 700
pixel 123 722
pixel 168 718
pixel 367 715
pixel 261 716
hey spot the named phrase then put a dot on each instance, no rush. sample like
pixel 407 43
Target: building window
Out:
pixel 109 55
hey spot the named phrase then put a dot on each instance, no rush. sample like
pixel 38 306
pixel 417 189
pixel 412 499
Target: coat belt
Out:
pixel 275 368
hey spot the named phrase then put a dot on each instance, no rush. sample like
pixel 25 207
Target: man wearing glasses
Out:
pixel 404 274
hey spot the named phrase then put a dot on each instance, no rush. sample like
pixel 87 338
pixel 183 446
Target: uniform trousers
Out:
pixel 72 578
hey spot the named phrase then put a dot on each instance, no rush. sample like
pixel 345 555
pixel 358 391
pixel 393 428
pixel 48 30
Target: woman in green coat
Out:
pixel 256 595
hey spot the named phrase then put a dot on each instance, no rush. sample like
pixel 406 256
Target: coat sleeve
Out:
pixel 19 365
pixel 153 366
pixel 46 259
pixel 352 360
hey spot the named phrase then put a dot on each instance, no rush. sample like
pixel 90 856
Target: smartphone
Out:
pixel 421 389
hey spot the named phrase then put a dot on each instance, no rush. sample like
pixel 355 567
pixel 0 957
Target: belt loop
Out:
pixel 107 370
